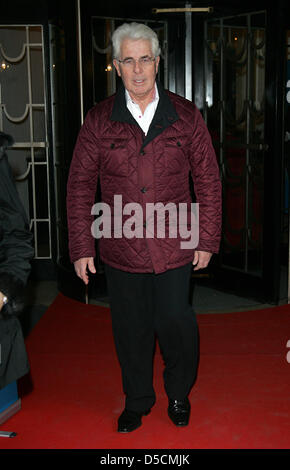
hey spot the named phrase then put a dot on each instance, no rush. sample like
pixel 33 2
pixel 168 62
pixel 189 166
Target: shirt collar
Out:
pixel 165 110
pixel 129 99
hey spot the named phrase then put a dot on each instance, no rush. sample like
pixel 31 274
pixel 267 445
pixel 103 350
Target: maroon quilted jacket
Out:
pixel 153 168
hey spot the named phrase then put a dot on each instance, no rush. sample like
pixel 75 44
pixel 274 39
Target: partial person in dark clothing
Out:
pixel 16 252
pixel 144 142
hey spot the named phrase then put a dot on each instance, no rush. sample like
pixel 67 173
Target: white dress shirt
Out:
pixel 144 120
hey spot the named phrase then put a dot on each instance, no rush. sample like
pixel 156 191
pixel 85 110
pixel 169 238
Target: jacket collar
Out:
pixel 165 114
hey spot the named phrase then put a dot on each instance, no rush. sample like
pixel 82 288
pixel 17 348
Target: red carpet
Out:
pixel 73 396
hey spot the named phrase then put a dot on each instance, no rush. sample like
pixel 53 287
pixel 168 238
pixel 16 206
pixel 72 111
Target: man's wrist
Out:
pixel 3 299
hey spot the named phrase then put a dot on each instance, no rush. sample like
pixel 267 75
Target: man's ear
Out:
pixel 117 67
pixel 157 60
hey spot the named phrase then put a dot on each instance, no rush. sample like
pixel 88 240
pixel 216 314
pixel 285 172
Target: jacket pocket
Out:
pixel 114 157
pixel 175 157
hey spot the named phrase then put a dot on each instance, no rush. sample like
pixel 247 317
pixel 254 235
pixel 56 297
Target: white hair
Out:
pixel 134 31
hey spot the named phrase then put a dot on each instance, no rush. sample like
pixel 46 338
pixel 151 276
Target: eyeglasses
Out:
pixel 143 61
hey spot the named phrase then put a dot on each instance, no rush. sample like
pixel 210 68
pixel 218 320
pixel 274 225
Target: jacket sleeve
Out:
pixel 15 241
pixel 81 190
pixel 207 186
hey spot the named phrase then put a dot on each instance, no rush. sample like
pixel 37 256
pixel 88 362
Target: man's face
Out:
pixel 138 79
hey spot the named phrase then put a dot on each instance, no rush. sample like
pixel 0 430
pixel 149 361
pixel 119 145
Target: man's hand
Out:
pixel 1 300
pixel 201 259
pixel 82 266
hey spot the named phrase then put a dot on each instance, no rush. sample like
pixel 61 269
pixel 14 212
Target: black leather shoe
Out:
pixel 130 420
pixel 179 411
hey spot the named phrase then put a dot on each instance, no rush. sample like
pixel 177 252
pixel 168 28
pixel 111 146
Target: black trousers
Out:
pixel 143 306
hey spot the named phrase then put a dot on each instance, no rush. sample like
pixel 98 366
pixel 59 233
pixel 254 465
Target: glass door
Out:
pixel 234 109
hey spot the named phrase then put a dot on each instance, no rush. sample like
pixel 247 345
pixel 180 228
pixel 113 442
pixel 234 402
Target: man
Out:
pixel 142 143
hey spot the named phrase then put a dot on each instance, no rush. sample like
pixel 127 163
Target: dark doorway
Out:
pixel 244 100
